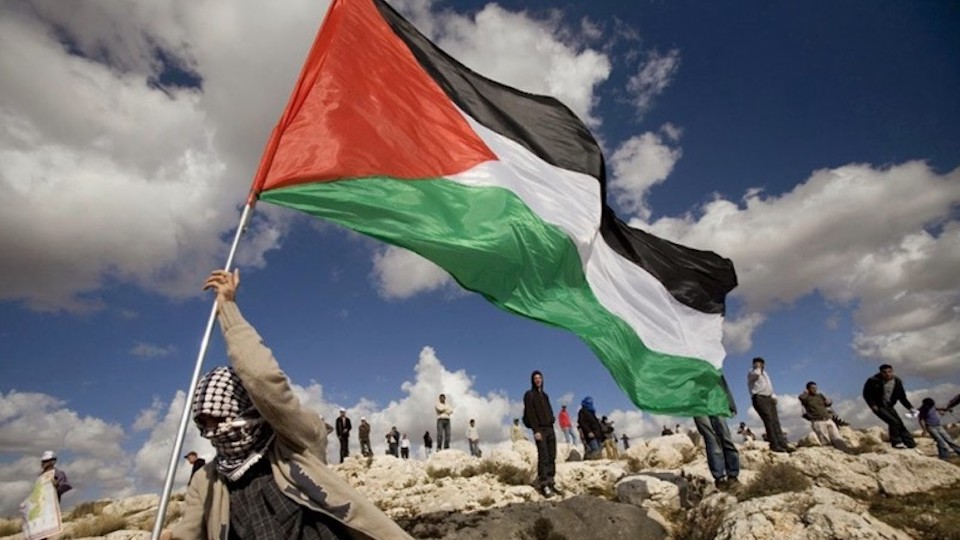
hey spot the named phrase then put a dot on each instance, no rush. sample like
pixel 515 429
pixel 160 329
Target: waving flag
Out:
pixel 388 135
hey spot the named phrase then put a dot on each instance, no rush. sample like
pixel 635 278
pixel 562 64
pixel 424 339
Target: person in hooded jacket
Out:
pixel 538 416
pixel 592 431
pixel 269 479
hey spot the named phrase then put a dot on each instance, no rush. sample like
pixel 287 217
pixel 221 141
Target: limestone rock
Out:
pixel 817 513
pixel 809 440
pixel 645 490
pixel 577 517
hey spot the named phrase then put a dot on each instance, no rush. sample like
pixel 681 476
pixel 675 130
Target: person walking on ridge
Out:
pixel 930 422
pixel 882 392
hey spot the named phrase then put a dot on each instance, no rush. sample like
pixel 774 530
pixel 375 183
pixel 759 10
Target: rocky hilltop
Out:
pixel 658 489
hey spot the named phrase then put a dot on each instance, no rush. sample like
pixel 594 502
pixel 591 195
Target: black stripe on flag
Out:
pixel 546 127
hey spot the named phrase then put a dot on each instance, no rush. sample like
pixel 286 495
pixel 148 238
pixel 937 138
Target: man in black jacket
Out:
pixel 195 461
pixel 538 416
pixel 881 392
pixel 343 433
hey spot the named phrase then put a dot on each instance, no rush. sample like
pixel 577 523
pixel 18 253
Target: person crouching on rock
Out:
pixel 269 478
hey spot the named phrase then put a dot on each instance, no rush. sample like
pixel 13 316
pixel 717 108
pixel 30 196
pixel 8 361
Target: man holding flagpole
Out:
pixel 269 478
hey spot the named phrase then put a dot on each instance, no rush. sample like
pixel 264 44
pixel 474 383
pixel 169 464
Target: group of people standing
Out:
pixel 882 392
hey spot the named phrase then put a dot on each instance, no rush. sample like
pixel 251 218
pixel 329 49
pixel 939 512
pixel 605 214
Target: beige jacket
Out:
pixel 298 457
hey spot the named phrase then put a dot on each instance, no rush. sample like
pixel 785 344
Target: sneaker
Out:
pixel 555 489
pixel 547 492
pixel 899 445
pixel 721 484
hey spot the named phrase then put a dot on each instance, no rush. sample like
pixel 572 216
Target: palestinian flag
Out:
pixel 388 135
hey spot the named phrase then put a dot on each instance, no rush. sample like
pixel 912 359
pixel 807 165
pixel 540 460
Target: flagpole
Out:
pixel 188 403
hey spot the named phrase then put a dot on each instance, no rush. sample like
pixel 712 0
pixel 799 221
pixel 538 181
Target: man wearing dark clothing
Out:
pixel 364 431
pixel 343 433
pixel 427 442
pixel 196 462
pixel 881 392
pixel 538 416
pixel 591 430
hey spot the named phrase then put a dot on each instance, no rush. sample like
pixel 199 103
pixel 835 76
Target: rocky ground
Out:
pixel 658 489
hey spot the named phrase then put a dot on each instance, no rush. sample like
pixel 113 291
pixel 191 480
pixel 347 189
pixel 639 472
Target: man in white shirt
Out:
pixel 761 394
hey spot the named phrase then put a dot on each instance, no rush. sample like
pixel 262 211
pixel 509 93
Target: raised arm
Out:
pixel 265 382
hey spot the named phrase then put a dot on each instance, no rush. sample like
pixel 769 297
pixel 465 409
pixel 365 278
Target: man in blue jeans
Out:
pixel 722 455
pixel 444 411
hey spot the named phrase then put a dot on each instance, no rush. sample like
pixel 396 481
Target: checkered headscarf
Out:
pixel 242 437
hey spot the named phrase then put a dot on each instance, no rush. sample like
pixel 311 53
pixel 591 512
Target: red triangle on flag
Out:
pixel 364 106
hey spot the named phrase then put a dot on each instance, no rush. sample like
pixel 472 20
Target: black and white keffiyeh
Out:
pixel 242 437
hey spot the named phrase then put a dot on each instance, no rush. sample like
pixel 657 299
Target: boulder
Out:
pixel 577 517
pixel 646 490
pixel 817 513
pixel 809 440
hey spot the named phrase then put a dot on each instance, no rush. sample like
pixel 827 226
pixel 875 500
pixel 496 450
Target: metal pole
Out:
pixel 188 404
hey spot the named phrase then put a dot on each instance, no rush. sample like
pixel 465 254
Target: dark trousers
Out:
pixel 546 456
pixel 344 446
pixel 898 432
pixel 766 407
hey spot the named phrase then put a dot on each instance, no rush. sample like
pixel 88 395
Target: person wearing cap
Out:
pixel 269 478
pixel 343 433
pixel 195 461
pixel 364 432
pixel 764 402
pixel 48 462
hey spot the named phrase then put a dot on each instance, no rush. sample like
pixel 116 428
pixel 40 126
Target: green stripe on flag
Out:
pixel 492 243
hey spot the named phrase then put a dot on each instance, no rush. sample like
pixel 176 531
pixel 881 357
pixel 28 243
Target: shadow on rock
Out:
pixel 577 517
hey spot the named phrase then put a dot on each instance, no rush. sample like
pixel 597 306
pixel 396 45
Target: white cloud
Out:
pixel 149 350
pixel 547 65
pixel 151 460
pixel 120 180
pixel 400 273
pixel 31 423
pixel 738 333
pixel 654 76
pixel 640 163
pixel 147 418
pixel 880 239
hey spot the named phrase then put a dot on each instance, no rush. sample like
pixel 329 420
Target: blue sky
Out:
pixel 816 145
